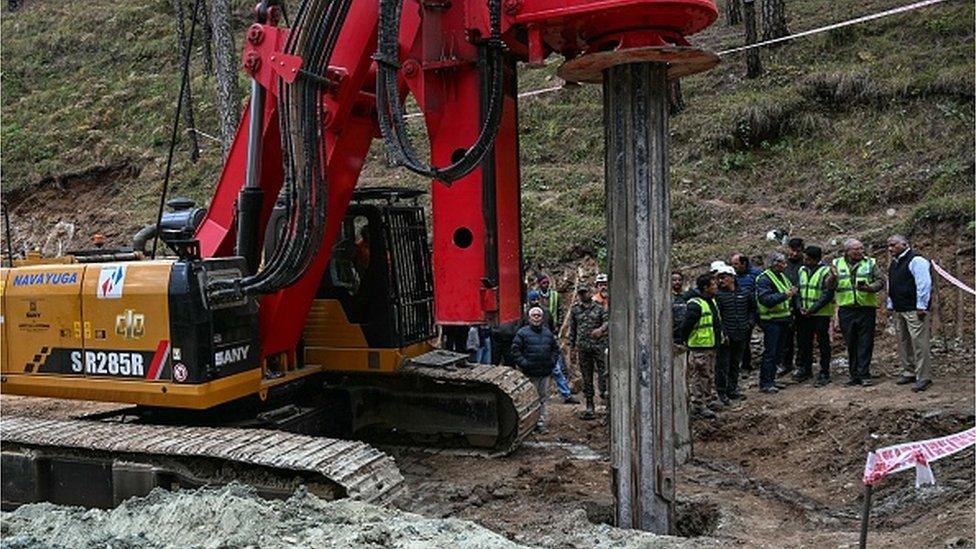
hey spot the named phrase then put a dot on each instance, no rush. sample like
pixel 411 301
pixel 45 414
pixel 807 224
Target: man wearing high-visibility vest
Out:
pixel 859 279
pixel 702 332
pixel 774 299
pixel 549 298
pixel 816 308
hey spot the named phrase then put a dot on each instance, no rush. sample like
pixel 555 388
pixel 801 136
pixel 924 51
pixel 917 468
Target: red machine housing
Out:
pixel 476 220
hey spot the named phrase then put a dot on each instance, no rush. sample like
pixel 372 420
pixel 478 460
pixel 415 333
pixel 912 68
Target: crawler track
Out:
pixel 439 402
pixel 64 460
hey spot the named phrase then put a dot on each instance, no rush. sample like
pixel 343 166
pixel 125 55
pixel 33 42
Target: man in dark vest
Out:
pixel 909 289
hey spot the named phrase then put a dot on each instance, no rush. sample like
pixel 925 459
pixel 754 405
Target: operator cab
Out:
pixel 377 292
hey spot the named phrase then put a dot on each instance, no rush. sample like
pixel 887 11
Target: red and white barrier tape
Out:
pixel 952 280
pixel 892 459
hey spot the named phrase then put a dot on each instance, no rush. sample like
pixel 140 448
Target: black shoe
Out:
pixel 571 400
pixel 737 396
pixel 821 381
pixel 725 400
pixel 703 413
pixel 770 389
pixel 905 380
pixel 922 385
pixel 801 377
pixel 590 412
pixel 781 371
pixel 854 382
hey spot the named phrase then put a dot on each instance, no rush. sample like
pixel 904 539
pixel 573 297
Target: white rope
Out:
pixel 849 22
pixel 207 135
pixel 786 38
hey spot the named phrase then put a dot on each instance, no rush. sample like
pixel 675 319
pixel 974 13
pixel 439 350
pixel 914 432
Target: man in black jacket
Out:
pixel 736 308
pixel 535 350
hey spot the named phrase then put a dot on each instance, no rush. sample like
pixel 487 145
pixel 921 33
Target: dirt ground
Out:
pixel 772 471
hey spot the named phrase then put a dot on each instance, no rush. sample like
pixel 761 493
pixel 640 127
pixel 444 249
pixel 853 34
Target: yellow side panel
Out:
pixel 3 326
pixel 126 313
pixel 42 318
pixel 327 326
pixel 387 361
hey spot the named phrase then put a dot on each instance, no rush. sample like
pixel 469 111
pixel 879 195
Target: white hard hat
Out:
pixel 725 269
pixel 717 266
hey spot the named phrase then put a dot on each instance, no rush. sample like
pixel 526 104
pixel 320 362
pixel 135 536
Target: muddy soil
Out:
pixel 772 471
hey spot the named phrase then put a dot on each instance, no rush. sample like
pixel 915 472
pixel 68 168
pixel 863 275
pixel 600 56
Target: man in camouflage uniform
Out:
pixel 588 327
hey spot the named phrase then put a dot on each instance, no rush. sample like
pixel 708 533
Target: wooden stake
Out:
pixel 639 244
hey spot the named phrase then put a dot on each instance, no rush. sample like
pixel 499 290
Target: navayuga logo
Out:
pixel 110 282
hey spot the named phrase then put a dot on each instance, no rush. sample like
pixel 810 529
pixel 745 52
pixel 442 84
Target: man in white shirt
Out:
pixel 909 290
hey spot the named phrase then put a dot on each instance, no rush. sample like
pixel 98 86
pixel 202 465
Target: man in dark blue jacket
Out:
pixel 745 279
pixel 535 351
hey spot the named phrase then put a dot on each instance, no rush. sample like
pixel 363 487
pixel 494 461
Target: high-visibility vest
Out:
pixel 847 294
pixel 780 310
pixel 811 292
pixel 553 304
pixel 703 336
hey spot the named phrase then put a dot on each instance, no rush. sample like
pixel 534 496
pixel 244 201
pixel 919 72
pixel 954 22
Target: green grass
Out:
pixel 843 128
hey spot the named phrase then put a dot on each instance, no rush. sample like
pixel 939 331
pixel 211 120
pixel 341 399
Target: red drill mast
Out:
pixel 476 220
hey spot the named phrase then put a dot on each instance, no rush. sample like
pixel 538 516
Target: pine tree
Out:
pixel 228 89
pixel 774 19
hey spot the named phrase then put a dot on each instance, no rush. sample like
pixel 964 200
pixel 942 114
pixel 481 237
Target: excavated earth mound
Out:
pixel 234 516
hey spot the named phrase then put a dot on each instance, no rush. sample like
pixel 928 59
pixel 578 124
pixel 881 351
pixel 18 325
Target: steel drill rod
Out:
pixel 639 244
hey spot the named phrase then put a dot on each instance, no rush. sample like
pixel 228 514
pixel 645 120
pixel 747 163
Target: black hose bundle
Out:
pixel 390 110
pixel 301 116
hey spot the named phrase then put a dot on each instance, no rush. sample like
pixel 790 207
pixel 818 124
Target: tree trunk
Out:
pixel 733 12
pixel 774 19
pixel 676 103
pixel 204 17
pixel 228 90
pixel 187 94
pixel 753 66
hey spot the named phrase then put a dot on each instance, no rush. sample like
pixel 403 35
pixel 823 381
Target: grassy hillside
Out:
pixel 859 131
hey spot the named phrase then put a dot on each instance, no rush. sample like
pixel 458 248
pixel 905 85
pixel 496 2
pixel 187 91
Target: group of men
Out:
pixel 536 351
pixel 793 301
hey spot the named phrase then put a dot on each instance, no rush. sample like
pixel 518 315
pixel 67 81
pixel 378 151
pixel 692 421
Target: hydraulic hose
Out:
pixel 390 111
pixel 314 36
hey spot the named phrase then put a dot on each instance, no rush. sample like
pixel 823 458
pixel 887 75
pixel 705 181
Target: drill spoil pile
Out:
pixel 233 516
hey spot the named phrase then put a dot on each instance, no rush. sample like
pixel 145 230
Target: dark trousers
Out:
pixel 809 328
pixel 857 325
pixel 788 348
pixel 746 365
pixel 730 357
pixel 593 360
pixel 774 343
